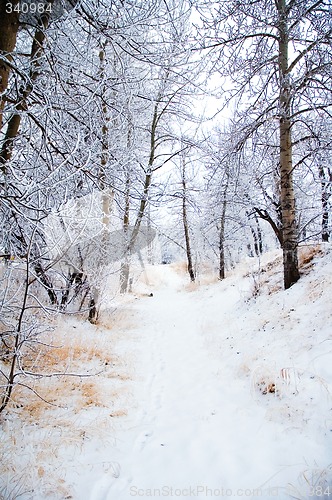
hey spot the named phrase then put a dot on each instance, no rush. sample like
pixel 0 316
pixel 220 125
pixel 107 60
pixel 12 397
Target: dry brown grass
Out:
pixel 90 394
pixel 307 254
pixel 180 267
pixel 57 358
pixel 64 350
pixel 117 319
pixel 272 265
pixel 70 351
pixel 70 392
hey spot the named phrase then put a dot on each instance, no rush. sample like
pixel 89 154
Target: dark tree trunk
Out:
pixel 222 238
pixel 46 282
pixel 72 279
pixel 287 195
pixel 93 313
pixel 325 187
pixel 125 265
pixel 22 105
pixel 9 24
pixel 256 233
pixel 258 238
pixel 190 266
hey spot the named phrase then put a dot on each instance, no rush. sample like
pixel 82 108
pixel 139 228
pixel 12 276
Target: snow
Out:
pixel 220 389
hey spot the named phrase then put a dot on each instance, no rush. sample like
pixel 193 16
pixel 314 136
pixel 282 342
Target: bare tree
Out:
pixel 185 217
pixel 9 25
pixel 277 56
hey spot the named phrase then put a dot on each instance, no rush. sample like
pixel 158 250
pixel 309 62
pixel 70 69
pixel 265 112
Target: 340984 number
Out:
pixel 28 8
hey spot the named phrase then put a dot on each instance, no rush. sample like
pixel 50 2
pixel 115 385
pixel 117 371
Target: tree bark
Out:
pixel 222 236
pixel 325 184
pixel 190 266
pixel 287 196
pixel 46 282
pixel 9 24
pixel 93 312
pixel 125 266
pixel 256 234
pixel 22 105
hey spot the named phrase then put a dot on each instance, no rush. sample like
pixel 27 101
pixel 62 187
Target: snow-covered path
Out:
pixel 180 401
pixel 175 443
pixel 196 432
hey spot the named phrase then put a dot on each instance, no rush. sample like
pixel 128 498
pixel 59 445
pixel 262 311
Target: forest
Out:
pixel 156 131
